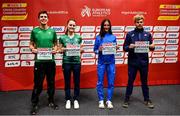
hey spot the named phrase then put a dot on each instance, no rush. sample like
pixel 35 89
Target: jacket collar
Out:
pixel 139 30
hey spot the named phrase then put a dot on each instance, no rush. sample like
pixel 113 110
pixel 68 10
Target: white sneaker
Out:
pixel 101 104
pixel 109 105
pixel 68 104
pixel 76 104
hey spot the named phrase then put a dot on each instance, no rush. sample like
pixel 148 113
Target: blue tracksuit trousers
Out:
pixel 110 70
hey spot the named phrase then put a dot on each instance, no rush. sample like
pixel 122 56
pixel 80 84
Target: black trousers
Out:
pixel 42 70
pixel 76 69
pixel 132 71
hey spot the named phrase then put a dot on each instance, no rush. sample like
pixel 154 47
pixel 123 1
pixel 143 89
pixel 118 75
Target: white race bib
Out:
pixel 109 48
pixel 72 50
pixel 44 54
pixel 141 47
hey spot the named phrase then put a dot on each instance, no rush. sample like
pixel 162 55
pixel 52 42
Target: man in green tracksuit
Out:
pixel 43 43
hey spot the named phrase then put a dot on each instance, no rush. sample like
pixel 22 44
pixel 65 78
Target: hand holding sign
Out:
pixel 141 47
pixel 44 53
pixel 72 50
pixel 152 46
pixel 109 48
pixel 35 51
pixel 132 46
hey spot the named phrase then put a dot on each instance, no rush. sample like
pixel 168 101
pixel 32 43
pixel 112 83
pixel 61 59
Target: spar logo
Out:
pixel 86 11
pixel 9 29
pixel 88 62
pixel 27 63
pixel 24 36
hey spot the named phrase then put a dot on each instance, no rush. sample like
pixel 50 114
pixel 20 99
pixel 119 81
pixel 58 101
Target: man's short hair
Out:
pixel 42 12
pixel 138 17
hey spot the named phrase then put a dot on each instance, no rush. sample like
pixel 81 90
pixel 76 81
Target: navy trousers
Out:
pixel 132 71
pixel 76 69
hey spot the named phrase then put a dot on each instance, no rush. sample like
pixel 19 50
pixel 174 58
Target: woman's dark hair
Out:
pixel 42 12
pixel 67 24
pixel 102 32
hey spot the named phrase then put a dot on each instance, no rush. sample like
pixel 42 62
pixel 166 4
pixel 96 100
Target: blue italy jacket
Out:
pixel 104 59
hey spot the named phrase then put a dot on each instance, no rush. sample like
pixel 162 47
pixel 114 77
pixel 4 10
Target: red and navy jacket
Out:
pixel 131 37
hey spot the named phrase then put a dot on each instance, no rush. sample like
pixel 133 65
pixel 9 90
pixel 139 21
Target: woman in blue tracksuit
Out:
pixel 137 61
pixel 105 63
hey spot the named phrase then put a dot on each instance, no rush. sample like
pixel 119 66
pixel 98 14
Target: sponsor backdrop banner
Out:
pixel 19 17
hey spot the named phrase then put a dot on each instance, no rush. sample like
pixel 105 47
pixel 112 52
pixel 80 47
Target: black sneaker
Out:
pixel 34 110
pixel 53 106
pixel 149 104
pixel 125 104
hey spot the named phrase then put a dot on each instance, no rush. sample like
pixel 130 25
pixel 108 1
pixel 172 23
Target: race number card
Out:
pixel 72 50
pixel 109 48
pixel 44 54
pixel 141 47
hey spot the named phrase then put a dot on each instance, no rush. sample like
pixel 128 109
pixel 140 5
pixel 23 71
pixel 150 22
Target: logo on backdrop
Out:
pixel 86 12
pixel 14 11
pixel 95 12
